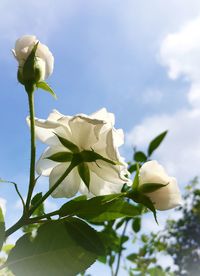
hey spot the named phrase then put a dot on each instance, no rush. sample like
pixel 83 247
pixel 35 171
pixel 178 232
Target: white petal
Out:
pixel 100 187
pixel 44 53
pixel 108 172
pixel 69 186
pixel 167 197
pixel 104 115
pixel 115 138
pixel 152 172
pixel 40 64
pixel 24 45
pixel 55 115
pixel 85 131
pixel 44 166
pixel 45 131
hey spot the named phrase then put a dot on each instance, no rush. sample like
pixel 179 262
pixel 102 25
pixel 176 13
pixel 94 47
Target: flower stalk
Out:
pixel 30 92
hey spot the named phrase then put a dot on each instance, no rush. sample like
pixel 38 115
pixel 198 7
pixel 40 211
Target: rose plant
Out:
pixel 82 157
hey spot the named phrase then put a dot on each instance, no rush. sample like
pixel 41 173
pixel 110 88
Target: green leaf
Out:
pixel 150 187
pixel 45 86
pixel 154 144
pixel 132 168
pixel 61 157
pixel 139 156
pixel 136 225
pixel 102 259
pixel 100 208
pixel 84 173
pixel 36 198
pixel 7 247
pixel 2 229
pixel 60 248
pixel 68 144
pixel 39 211
pixel 132 257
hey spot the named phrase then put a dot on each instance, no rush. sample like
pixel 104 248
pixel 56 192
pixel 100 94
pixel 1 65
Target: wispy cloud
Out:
pixel 180 52
pixel 180 152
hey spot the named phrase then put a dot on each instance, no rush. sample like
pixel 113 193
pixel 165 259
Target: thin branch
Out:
pixel 17 190
pixel 120 249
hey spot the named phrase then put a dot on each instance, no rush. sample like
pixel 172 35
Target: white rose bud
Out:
pixel 44 60
pixel 166 197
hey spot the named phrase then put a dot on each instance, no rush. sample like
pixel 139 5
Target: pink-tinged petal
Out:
pixel 44 166
pixel 69 186
pixel 100 187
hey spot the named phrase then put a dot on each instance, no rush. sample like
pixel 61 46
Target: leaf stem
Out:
pixel 30 92
pixel 50 191
pixel 120 249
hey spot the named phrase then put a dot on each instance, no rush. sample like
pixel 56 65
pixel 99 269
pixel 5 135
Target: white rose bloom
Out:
pixel 44 58
pixel 164 198
pixel 94 132
pixel 3 205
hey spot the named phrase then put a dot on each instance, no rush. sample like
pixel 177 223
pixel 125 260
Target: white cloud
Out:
pixel 180 52
pixel 180 152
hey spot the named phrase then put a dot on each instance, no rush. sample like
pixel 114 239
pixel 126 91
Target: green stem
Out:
pixel 120 249
pixel 50 191
pixel 24 220
pixel 30 92
pixel 48 215
pixel 15 227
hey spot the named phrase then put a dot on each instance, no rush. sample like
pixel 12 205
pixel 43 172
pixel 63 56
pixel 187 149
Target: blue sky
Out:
pixel 139 59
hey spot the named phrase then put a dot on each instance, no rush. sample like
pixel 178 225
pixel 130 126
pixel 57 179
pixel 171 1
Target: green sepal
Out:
pixel 136 179
pixel 68 144
pixel 150 187
pixel 61 157
pixel 31 74
pixel 92 156
pixel 84 173
pixel 143 199
pixel 154 144
pixel 45 86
